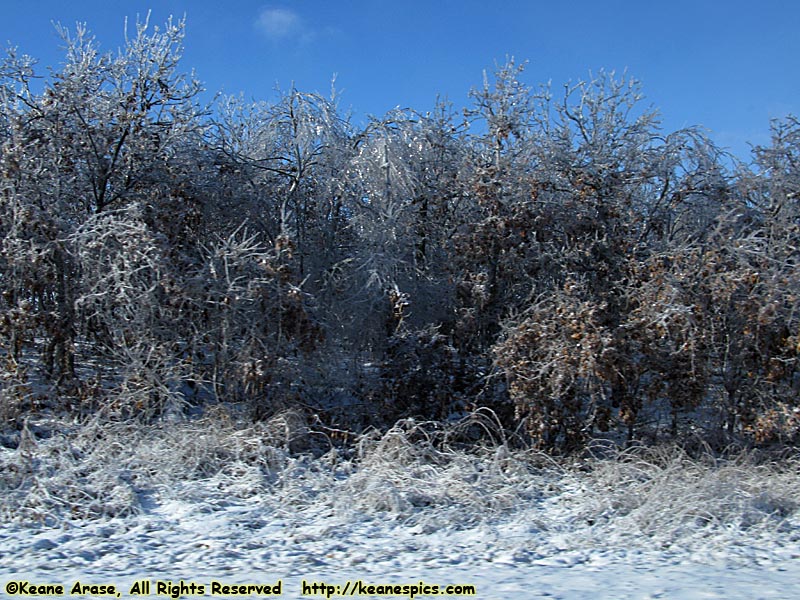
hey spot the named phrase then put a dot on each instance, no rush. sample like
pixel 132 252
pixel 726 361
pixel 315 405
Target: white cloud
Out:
pixel 279 23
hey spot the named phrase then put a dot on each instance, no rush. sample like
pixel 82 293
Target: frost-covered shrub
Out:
pixel 424 376
pixel 559 360
pixel 608 278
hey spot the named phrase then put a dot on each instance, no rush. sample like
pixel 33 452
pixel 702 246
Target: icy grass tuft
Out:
pixel 665 497
pixel 104 469
pixel 411 474
pixel 405 470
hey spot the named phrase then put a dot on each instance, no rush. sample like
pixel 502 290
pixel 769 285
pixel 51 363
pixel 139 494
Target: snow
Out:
pixel 402 514
pixel 506 558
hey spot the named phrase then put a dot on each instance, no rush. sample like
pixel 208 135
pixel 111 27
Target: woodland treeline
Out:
pixel 551 255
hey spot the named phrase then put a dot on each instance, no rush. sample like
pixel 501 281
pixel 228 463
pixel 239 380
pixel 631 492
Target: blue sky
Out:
pixel 729 66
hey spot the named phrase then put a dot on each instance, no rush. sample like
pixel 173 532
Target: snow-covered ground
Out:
pixel 397 510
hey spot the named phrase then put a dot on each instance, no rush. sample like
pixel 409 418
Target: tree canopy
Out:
pixel 552 255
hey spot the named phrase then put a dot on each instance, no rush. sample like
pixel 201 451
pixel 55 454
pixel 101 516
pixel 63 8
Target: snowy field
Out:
pixel 207 501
